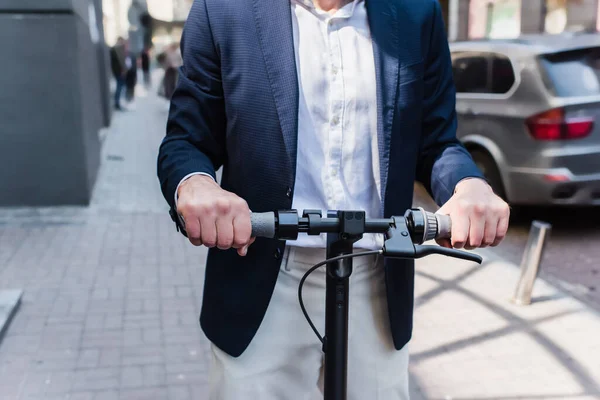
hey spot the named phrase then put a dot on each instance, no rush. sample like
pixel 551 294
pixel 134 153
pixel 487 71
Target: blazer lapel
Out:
pixel 383 21
pixel 274 26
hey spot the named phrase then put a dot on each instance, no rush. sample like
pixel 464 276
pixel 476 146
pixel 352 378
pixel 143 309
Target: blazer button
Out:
pixel 277 254
pixel 288 193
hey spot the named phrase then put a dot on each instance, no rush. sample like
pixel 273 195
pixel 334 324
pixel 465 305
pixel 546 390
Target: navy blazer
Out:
pixel 236 106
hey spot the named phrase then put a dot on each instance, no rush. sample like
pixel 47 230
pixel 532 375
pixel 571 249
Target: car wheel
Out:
pixel 488 167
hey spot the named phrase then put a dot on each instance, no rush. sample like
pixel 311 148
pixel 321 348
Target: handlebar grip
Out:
pixel 444 226
pixel 263 224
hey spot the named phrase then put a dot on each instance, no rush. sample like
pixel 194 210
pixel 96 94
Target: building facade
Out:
pixel 477 19
pixel 121 17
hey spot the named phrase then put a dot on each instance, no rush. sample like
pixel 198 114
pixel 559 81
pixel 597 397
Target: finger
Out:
pixel 489 235
pixel 224 233
pixel 460 229
pixel 501 230
pixel 193 230
pixel 244 250
pixel 209 231
pixel 444 243
pixel 195 242
pixel 242 231
pixel 476 228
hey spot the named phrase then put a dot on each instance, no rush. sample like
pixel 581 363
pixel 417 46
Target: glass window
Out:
pixel 503 75
pixel 572 73
pixel 483 73
pixel 470 72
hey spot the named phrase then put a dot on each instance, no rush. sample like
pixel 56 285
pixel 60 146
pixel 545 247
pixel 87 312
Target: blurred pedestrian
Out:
pixel 131 76
pixel 118 56
pixel 146 65
pixel 172 61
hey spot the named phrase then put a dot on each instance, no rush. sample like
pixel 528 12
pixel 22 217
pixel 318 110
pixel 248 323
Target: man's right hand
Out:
pixel 214 217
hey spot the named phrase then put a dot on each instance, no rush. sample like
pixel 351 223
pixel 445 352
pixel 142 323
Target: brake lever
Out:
pixel 422 251
pixel 399 244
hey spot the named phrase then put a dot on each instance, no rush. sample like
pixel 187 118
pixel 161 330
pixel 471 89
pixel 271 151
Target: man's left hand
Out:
pixel 479 216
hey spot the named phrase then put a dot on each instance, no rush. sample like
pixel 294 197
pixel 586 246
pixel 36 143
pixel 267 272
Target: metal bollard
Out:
pixel 530 264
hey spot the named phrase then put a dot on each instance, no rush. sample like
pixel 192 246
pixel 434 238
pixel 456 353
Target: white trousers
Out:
pixel 284 361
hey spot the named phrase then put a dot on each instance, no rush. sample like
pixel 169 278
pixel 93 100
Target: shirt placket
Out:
pixel 336 107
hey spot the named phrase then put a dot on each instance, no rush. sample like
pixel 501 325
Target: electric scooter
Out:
pixel 404 238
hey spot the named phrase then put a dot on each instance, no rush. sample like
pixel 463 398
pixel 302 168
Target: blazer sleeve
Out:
pixel 443 161
pixel 195 139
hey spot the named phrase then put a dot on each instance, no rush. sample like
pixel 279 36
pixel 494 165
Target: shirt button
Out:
pixel 334 172
pixel 288 193
pixel 335 120
pixel 334 70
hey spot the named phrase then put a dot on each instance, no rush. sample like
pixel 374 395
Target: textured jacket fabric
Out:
pixel 236 106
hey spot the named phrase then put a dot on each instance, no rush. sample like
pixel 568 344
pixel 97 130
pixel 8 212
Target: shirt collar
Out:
pixel 345 12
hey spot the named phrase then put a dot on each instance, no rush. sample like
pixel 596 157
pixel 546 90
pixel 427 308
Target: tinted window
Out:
pixel 503 76
pixel 482 73
pixel 470 72
pixel 574 73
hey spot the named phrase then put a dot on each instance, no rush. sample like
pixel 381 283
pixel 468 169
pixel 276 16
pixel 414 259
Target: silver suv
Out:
pixel 528 111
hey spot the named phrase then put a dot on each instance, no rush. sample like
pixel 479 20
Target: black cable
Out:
pixel 312 269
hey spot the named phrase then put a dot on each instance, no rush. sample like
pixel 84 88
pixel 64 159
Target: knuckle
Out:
pixel 459 240
pixel 202 209
pixel 459 236
pixel 239 243
pixel 240 204
pixel 196 242
pixel 209 241
pixel 183 207
pixel 478 209
pixel 225 239
pixel 464 205
pixel 475 241
pixel 501 209
pixel 223 206
pixel 193 233
pixel 489 238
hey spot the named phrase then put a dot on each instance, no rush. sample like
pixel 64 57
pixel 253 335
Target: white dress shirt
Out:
pixel 338 158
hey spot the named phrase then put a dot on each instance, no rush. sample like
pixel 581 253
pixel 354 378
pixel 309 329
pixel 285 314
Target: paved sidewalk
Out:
pixel 470 342
pixel 112 295
pixel 111 292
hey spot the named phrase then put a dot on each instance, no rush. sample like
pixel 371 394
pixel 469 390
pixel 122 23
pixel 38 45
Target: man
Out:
pixel 325 104
pixel 171 64
pixel 145 56
pixel 118 59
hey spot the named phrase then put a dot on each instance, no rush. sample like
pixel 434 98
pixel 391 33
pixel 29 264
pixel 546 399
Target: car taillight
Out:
pixel 552 125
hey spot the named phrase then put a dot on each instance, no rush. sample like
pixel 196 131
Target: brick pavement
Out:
pixel 111 294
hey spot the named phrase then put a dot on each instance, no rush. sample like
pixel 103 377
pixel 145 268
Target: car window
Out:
pixel 503 75
pixel 482 72
pixel 470 72
pixel 573 73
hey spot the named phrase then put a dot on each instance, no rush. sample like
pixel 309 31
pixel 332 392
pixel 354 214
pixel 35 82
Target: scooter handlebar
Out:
pixel 263 224
pixel 429 225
